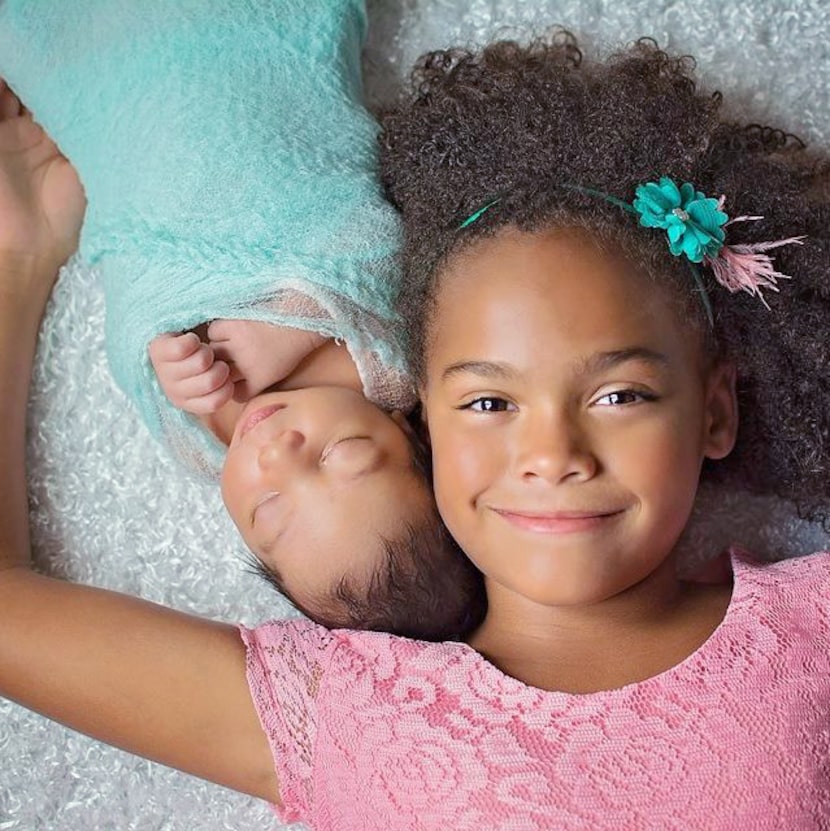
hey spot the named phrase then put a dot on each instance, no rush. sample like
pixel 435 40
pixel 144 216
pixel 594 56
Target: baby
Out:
pixel 265 215
pixel 330 493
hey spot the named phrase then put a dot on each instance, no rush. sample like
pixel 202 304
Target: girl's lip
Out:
pixel 258 416
pixel 557 522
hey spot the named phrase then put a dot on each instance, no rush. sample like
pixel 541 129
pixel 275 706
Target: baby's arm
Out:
pixel 260 354
pixel 241 359
pixel 166 685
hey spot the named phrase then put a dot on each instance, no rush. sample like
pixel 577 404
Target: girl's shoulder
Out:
pixel 806 569
pixel 293 641
pixel 795 589
pixel 304 644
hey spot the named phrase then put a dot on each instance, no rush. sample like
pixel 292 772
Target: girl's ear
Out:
pixel 422 414
pixel 721 416
pixel 423 431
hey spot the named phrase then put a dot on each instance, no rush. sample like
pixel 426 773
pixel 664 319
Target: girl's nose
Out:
pixel 282 450
pixel 553 448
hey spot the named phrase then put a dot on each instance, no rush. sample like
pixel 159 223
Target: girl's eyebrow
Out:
pixel 599 362
pixel 486 369
pixel 602 361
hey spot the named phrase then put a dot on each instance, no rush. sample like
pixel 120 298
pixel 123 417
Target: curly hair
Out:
pixel 523 123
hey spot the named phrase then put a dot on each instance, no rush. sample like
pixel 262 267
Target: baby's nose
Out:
pixel 281 448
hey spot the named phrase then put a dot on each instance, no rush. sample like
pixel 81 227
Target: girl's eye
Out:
pixel 488 404
pixel 620 398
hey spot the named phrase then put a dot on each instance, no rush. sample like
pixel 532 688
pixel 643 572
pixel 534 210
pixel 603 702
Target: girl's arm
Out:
pixel 150 680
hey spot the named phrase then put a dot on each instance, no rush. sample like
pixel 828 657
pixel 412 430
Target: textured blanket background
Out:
pixel 109 508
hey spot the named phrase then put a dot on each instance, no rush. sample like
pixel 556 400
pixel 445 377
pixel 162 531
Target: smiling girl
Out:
pixel 568 473
pixel 576 379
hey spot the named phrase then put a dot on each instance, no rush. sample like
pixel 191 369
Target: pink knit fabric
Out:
pixel 370 731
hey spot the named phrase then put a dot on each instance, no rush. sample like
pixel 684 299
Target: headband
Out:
pixel 695 227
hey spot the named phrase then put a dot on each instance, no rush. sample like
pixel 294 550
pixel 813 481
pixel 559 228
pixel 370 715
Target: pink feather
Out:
pixel 747 268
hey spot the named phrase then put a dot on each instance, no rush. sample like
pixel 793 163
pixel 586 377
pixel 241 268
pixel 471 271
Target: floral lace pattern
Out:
pixel 370 731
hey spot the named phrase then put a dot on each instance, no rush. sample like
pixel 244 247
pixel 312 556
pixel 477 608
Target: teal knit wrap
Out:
pixel 230 171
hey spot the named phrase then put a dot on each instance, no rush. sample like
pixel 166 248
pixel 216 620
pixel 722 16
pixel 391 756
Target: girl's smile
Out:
pixel 570 410
pixel 558 522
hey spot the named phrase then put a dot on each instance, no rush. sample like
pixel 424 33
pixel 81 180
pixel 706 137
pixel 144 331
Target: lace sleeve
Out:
pixel 285 665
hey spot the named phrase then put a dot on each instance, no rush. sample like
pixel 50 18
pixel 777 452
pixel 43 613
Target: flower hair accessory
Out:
pixel 695 226
pixel 692 222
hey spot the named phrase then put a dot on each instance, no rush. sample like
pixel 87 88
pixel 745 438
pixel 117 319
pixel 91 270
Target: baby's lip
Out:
pixel 258 416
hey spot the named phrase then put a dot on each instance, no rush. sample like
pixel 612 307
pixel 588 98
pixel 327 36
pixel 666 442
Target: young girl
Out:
pixel 194 217
pixel 576 377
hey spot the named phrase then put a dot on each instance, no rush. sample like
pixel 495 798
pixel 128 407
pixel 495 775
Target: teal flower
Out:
pixel 691 220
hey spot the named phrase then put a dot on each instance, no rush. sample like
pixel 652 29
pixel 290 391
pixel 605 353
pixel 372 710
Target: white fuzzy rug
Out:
pixel 110 509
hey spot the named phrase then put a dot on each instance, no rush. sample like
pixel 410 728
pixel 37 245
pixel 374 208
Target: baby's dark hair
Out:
pixel 525 124
pixel 425 587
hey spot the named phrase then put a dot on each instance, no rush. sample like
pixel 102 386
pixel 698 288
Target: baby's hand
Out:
pixel 189 373
pixel 259 354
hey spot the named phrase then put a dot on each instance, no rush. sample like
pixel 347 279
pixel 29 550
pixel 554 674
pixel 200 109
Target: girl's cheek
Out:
pixel 660 462
pixel 464 465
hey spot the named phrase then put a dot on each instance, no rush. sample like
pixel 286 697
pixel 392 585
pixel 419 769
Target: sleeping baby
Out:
pixel 229 168
pixel 330 492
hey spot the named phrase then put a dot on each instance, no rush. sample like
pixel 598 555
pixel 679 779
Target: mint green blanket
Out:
pixel 229 167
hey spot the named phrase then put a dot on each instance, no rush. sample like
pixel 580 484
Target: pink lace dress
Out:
pixel 370 731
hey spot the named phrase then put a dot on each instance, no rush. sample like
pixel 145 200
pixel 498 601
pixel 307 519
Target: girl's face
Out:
pixel 314 479
pixel 569 413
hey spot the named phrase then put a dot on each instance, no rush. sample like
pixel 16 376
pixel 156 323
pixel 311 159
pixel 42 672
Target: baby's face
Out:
pixel 314 479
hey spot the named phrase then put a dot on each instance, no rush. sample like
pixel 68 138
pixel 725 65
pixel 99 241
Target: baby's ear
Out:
pixel 721 416
pixel 414 425
pixel 401 420
pixel 404 422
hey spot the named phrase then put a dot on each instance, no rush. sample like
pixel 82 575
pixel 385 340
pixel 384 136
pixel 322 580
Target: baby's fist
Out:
pixel 260 354
pixel 189 374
